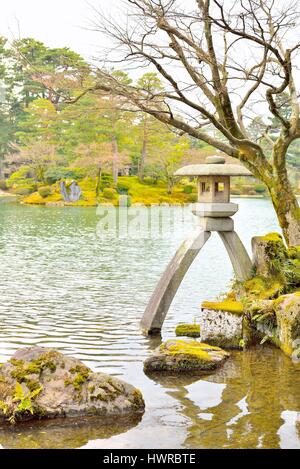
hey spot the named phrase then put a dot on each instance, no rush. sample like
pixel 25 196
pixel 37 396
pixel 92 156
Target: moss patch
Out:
pixel 81 374
pixel 235 307
pixel 180 356
pixel 22 370
pixel 263 288
pixel 194 348
pixel 188 330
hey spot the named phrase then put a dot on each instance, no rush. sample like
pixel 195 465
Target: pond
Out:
pixel 69 284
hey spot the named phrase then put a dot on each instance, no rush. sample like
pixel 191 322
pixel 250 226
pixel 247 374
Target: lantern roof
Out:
pixel 213 166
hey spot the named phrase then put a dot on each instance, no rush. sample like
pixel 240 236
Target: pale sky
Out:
pixel 57 23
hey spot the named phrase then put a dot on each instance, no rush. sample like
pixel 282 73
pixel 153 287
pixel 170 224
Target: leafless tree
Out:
pixel 222 64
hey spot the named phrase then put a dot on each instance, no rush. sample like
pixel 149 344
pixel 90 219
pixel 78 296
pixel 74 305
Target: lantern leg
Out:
pixel 168 285
pixel 239 257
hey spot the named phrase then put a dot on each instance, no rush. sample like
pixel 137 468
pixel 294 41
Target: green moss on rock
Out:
pixel 235 307
pixel 43 383
pixel 188 330
pixel 185 356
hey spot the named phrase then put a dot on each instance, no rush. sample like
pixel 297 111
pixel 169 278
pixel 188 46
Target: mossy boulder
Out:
pixel 276 270
pixel 221 323
pixel 41 383
pixel 287 311
pixel 185 356
pixel 188 330
pixel 269 253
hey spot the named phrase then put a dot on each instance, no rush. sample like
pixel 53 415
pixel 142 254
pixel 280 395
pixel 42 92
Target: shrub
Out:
pixel 149 180
pixel 106 181
pixel 234 191
pixel 259 188
pixel 188 188
pixel 123 188
pixel 44 191
pixel 247 189
pixel 53 175
pixel 20 177
pixel 192 198
pixel 3 185
pixel 25 190
pixel 109 193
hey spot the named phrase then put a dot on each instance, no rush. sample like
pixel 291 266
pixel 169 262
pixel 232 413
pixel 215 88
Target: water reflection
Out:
pixel 64 433
pixel 244 403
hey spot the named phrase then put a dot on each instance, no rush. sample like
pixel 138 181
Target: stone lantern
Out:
pixel 213 211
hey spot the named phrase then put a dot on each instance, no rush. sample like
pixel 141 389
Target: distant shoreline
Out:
pixel 8 197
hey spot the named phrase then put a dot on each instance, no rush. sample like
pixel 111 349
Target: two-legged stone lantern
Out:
pixel 214 211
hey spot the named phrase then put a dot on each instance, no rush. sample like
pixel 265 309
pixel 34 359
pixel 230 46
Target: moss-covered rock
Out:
pixel 287 311
pixel 261 288
pixel 222 323
pixel 276 270
pixel 183 356
pixel 188 330
pixel 269 253
pixel 270 298
pixel 42 383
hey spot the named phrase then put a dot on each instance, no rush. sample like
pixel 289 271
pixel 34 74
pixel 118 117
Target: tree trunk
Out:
pixel 170 185
pixel 284 200
pixel 115 159
pixel 287 208
pixel 285 203
pixel 99 177
pixel 141 170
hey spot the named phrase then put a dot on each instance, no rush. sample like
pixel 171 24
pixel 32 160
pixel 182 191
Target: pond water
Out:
pixel 69 284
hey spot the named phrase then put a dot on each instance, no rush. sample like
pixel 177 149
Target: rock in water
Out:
pixel 221 323
pixel 188 330
pixel 40 383
pixel 185 356
pixel 287 310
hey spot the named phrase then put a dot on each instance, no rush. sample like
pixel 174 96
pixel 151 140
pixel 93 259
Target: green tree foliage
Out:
pixel 95 135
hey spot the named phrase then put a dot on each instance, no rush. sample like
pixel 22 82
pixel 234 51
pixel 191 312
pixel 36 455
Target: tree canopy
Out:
pixel 195 48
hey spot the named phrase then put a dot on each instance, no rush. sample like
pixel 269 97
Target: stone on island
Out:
pixel 39 383
pixel 185 356
pixel 287 311
pixel 221 323
pixel 188 330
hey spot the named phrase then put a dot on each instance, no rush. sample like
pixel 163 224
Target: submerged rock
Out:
pixel 41 383
pixel 185 356
pixel 188 330
pixel 221 324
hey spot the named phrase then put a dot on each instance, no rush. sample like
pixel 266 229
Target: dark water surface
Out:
pixel 64 286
